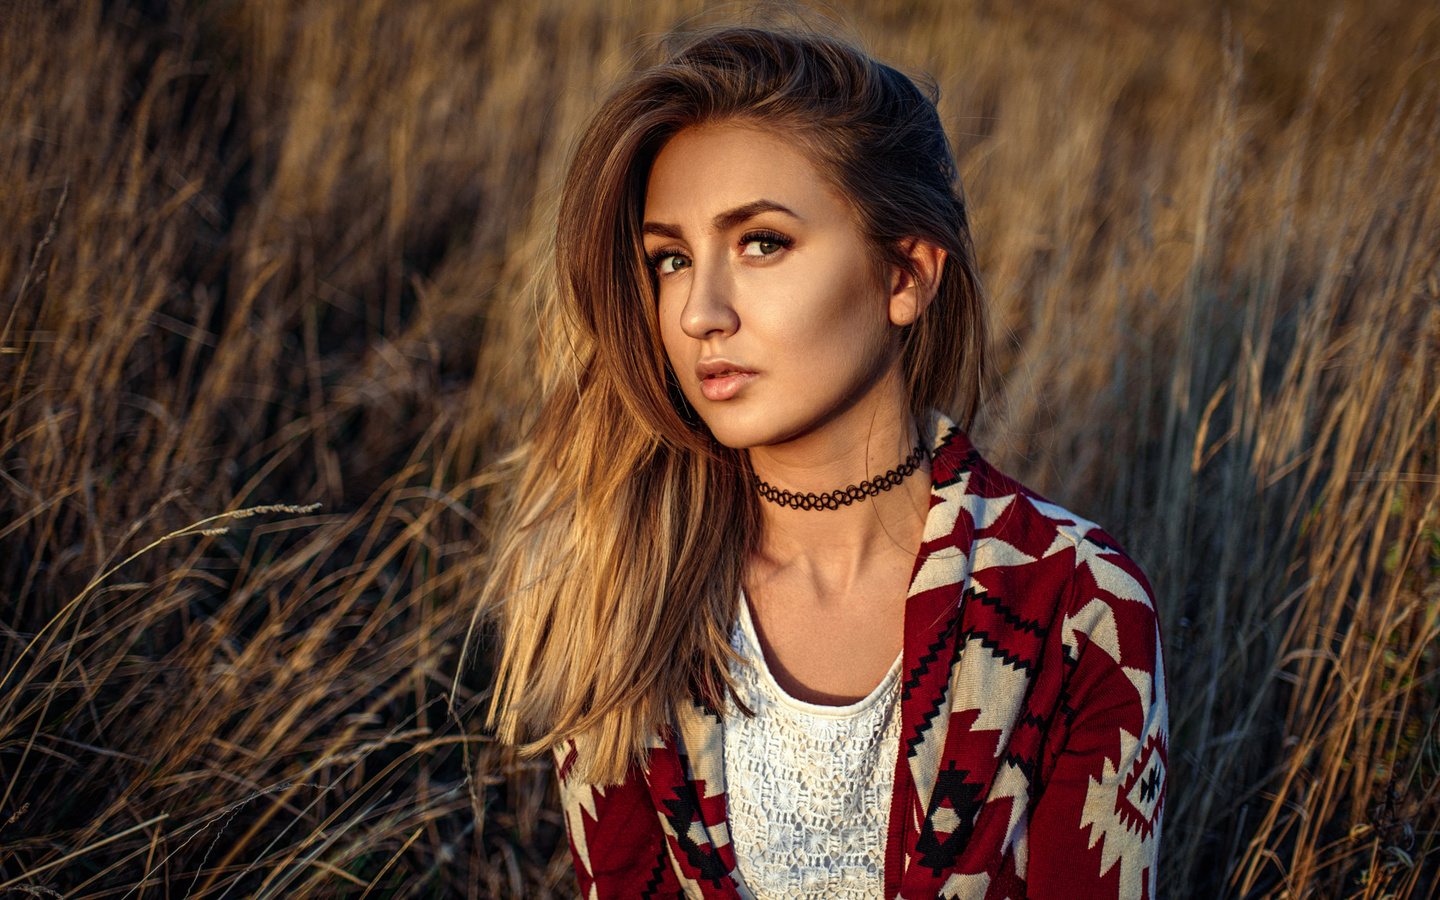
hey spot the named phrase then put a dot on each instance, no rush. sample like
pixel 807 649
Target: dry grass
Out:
pixel 263 254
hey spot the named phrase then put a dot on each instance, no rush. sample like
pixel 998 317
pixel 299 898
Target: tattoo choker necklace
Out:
pixel 846 496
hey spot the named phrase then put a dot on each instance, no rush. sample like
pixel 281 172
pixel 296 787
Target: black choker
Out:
pixel 837 499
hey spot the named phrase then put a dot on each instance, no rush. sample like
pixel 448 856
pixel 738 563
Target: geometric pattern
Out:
pixel 1033 718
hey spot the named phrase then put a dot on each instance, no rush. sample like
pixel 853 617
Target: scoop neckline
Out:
pixel 822 710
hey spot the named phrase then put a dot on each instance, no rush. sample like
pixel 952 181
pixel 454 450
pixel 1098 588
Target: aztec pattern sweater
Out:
pixel 1033 747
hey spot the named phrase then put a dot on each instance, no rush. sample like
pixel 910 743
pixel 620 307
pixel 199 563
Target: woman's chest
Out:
pixel 809 787
pixel 829 650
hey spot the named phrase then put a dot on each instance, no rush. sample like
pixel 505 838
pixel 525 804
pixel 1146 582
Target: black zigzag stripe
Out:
pixel 964 465
pixel 1030 666
pixel 1011 618
pixel 1013 660
pixel 1032 720
pixel 931 655
pixel 918 737
pixel 1024 765
pixel 922 667
pixel 657 876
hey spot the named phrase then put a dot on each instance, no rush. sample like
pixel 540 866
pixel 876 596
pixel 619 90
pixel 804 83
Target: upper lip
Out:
pixel 711 368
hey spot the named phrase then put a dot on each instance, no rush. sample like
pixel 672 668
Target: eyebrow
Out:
pixel 725 220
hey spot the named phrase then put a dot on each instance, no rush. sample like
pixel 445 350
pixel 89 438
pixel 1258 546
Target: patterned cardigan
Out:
pixel 1033 745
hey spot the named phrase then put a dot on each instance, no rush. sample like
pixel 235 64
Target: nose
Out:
pixel 709 310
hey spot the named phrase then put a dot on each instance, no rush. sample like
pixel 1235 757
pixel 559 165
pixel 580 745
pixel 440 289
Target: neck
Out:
pixel 835 547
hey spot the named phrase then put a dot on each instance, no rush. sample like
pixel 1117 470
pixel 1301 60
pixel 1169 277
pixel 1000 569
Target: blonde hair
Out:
pixel 617 563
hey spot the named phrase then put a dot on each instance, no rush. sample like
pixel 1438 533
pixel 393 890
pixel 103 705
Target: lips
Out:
pixel 721 379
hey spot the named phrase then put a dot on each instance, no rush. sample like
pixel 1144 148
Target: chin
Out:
pixel 733 437
pixel 727 430
pixel 744 432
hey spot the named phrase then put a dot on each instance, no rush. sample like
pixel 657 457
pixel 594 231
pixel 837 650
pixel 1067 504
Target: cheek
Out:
pixel 831 320
pixel 848 344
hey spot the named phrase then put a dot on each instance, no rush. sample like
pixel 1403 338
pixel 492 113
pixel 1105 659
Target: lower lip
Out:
pixel 725 386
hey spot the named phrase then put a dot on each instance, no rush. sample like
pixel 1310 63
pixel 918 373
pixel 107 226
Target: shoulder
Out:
pixel 1040 570
pixel 1041 560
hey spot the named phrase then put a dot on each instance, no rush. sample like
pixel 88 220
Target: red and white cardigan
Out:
pixel 1034 736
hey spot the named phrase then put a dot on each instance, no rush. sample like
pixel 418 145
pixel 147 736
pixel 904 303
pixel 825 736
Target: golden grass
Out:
pixel 266 254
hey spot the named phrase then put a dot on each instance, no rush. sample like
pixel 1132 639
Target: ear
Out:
pixel 911 294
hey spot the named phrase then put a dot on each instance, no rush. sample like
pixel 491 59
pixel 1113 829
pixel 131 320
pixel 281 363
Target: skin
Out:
pixel 787 344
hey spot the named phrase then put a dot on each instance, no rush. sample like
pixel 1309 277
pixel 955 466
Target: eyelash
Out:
pixel 653 260
pixel 767 237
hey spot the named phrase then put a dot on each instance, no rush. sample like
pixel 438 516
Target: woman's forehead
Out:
pixel 706 171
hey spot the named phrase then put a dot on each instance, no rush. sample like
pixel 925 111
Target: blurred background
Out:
pixel 258 255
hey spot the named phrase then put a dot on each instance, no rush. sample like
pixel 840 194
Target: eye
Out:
pixel 763 243
pixel 667 262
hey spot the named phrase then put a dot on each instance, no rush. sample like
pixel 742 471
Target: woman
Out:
pixel 786 633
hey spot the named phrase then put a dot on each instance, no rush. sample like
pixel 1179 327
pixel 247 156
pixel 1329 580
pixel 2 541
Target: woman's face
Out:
pixel 770 308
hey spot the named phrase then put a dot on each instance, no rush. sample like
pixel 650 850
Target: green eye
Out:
pixel 762 244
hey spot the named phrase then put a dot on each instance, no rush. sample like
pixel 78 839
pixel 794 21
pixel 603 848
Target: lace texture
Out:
pixel 809 786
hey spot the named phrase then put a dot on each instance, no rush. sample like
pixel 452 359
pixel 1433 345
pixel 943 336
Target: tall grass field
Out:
pixel 269 281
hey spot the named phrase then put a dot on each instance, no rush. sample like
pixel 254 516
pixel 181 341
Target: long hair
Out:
pixel 616 567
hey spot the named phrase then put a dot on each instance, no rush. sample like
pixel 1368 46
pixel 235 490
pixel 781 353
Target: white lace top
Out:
pixel 809 786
